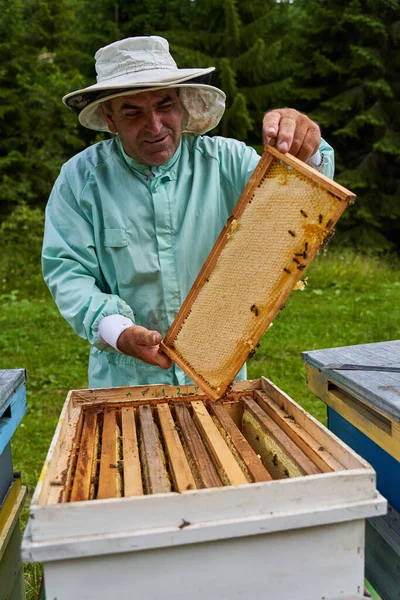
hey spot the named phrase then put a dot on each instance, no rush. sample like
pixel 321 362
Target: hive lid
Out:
pixel 10 381
pixel 285 213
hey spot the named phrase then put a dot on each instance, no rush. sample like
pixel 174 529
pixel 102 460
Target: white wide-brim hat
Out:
pixel 142 64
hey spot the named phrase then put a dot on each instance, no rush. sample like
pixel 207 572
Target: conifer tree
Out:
pixel 38 133
pixel 347 76
pixel 243 41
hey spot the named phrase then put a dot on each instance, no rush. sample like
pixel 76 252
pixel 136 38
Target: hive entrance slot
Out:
pixel 180 445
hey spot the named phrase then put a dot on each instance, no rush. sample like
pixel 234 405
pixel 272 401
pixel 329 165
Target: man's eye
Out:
pixel 167 106
pixel 131 114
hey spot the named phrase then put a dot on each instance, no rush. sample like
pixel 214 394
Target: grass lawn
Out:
pixel 349 300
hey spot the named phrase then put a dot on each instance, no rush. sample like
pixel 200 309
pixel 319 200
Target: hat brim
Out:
pixel 139 79
pixel 203 105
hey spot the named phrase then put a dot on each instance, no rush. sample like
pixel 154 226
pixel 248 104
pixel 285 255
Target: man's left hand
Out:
pixel 291 131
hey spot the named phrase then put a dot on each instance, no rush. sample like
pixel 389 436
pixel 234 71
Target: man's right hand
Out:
pixel 144 344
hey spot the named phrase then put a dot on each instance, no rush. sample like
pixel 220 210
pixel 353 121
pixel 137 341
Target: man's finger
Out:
pixel 145 337
pixel 153 356
pixel 271 125
pixel 310 143
pixel 287 128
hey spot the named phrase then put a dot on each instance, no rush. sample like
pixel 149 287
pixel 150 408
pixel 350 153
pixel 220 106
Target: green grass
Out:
pixel 349 300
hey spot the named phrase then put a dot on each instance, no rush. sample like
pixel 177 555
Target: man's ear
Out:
pixel 109 118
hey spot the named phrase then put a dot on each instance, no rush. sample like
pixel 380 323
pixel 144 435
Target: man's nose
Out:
pixel 153 121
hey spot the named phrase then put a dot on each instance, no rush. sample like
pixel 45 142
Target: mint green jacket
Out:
pixel 121 238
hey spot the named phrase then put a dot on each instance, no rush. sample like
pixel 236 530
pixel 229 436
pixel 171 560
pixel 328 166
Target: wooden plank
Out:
pixel 86 456
pixel 10 381
pixel 135 393
pixel 382 563
pixel 364 418
pixel 154 471
pixel 14 411
pixel 387 468
pixel 379 390
pixel 108 459
pixel 287 447
pixel 311 448
pixel 205 473
pixel 226 463
pixel 59 477
pixel 312 426
pixel 179 466
pixel 133 485
pixel 252 461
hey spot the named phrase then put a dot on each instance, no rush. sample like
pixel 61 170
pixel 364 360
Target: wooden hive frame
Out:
pixel 150 440
pixel 285 213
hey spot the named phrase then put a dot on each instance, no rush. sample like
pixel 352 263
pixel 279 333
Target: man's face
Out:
pixel 148 124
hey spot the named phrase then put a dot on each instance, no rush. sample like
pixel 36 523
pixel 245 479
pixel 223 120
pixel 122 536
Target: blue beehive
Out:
pixel 361 387
pixel 12 493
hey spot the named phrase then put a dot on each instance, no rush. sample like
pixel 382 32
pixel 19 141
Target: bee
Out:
pixel 304 213
pixel 292 233
pixel 184 524
pixel 329 223
pixel 298 254
pixel 305 255
pixel 301 284
pixel 328 237
pixel 286 270
pixel 296 261
pixel 301 267
pixel 320 219
pixel 254 309
pixel 306 246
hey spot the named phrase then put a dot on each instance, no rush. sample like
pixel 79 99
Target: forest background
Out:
pixel 338 61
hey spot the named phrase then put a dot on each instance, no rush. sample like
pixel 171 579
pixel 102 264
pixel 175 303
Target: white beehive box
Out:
pixel 296 537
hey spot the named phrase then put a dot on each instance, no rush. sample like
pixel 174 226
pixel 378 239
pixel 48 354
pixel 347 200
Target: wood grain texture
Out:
pixel 219 449
pixel 387 468
pixel 86 456
pixel 108 459
pixel 179 466
pixel 205 472
pixel 253 463
pixel 380 390
pixel 152 459
pixel 60 474
pixel 313 427
pixel 290 449
pixel 10 381
pixel 382 557
pixel 311 448
pixel 138 394
pixel 368 420
pixel 132 471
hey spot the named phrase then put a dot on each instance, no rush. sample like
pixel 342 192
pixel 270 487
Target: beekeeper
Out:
pixel 131 220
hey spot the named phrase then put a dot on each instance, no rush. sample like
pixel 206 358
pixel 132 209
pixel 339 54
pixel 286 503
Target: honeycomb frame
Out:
pixel 284 214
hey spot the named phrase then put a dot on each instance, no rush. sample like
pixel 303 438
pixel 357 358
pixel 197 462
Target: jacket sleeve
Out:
pixel 71 268
pixel 327 166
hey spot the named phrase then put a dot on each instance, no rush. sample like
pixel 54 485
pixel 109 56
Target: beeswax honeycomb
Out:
pixel 265 252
